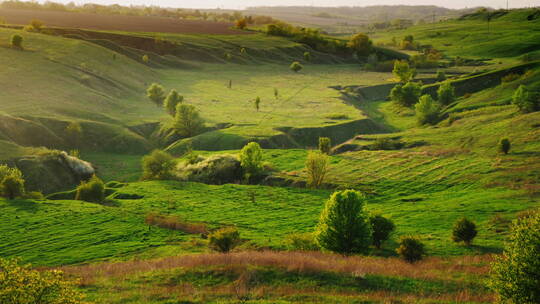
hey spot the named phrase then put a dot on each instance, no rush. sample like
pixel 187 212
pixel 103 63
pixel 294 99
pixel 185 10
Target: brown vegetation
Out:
pixel 175 223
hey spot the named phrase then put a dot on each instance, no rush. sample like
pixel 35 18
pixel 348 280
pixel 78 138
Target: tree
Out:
pixel 251 161
pixel 171 101
pixel 410 249
pixel 276 93
pixel 406 95
pixel 381 228
pixel 11 182
pixel 257 103
pixel 241 23
pixel 20 284
pixel 361 44
pixel 325 145
pixel 37 25
pixel 296 67
pixel 403 71
pixel 316 168
pixel 441 75
pixel 464 231
pixel 224 239
pixel 525 100
pixel 156 93
pixel 307 56
pixel 145 59
pixel 91 191
pixel 17 41
pixel 188 121
pixel 515 276
pixel 159 165
pixel 427 110
pixel 504 145
pixel 446 93
pixel 343 226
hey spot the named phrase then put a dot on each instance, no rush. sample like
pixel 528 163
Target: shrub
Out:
pixel 427 111
pixel 361 44
pixel 406 95
pixel 224 239
pixel 525 100
pixel 325 145
pixel 145 59
pixel 188 122
pixel 307 56
pixel 410 249
pixel 381 228
pixel 156 93
pixel 215 169
pixel 159 165
pixel 441 75
pixel 34 195
pixel 21 284
pixel 12 187
pixel 241 23
pixel 464 231
pixel 257 103
pixel 316 168
pixel 17 41
pixel 446 93
pixel 171 101
pixel 343 226
pixel 504 145
pixel 36 25
pixel 91 191
pixel 337 116
pixel 510 77
pixel 515 275
pixel 385 143
pixel 251 161
pixel 296 67
pixel 243 51
pixel 301 241
pixel 403 71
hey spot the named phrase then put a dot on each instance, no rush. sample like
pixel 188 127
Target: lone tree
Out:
pixel 316 168
pixel 17 41
pixel 145 59
pixel 343 226
pixel 158 165
pixel 188 121
pixel 410 249
pixel 224 239
pixel 257 103
pixel 156 93
pixel 403 71
pixel 276 93
pixel 325 145
pixel 427 111
pixel 296 67
pixel 171 101
pixel 241 23
pixel 525 100
pixel 251 160
pixel 361 44
pixel 515 276
pixel 11 182
pixel 406 95
pixel 446 93
pixel 504 145
pixel 382 228
pixel 464 231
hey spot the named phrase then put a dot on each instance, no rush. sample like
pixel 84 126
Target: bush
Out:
pixel 171 101
pixel 325 145
pixel 464 231
pixel 224 239
pixel 525 100
pixel 36 25
pixel 156 93
pixel 441 75
pixel 21 284
pixel 91 191
pixel 188 122
pixel 446 93
pixel 301 241
pixel 159 165
pixel 427 111
pixel 410 249
pixel 504 146
pixel 316 168
pixel 381 228
pixel 403 71
pixel 251 161
pixel 307 56
pixel 215 169
pixel 515 276
pixel 145 59
pixel 17 41
pixel 11 182
pixel 406 95
pixel 241 23
pixel 361 44
pixel 343 226
pixel 510 77
pixel 386 143
pixel 296 67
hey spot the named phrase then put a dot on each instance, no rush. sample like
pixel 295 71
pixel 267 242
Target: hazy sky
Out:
pixel 239 4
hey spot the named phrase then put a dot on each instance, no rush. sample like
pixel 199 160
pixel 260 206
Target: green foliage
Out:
pixel 410 249
pixel 188 122
pixel 403 71
pixel 296 67
pixel 504 146
pixel 92 191
pixel 145 59
pixel 257 103
pixel 301 242
pixel 307 56
pixel 156 93
pixel 526 100
pixel 316 168
pixel 515 275
pixel 427 111
pixel 381 227
pixel 325 145
pixel 441 75
pixel 251 160
pixel 406 95
pixel 216 169
pixel 464 231
pixel 159 165
pixel 446 93
pixel 224 239
pixel 16 41
pixel 361 44
pixel 171 101
pixel 343 226
pixel 11 182
pixel 20 284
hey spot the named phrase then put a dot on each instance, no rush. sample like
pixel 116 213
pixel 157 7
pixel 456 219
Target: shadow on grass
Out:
pixel 24 205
